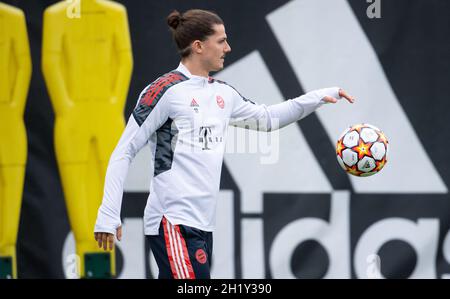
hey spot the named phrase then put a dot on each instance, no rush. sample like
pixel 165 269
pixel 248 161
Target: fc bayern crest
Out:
pixel 220 102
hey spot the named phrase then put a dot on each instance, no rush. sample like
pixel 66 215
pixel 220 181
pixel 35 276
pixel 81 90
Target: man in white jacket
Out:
pixel 184 116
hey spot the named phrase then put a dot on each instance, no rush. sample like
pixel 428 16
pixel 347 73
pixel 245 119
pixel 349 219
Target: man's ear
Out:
pixel 197 46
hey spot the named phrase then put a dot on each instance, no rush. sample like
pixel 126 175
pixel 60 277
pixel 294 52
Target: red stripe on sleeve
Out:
pixel 156 89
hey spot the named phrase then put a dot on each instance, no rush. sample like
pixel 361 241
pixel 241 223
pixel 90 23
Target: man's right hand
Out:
pixel 106 240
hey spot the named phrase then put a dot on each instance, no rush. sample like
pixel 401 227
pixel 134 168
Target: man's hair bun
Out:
pixel 174 19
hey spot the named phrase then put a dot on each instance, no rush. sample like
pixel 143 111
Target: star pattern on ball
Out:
pixel 358 128
pixel 379 164
pixel 354 170
pixel 367 153
pixel 340 147
pixel 362 149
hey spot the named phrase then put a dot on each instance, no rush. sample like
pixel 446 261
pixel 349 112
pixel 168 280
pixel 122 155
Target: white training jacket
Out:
pixel 184 119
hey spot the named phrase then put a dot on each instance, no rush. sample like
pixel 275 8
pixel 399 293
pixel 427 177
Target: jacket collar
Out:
pixel 184 70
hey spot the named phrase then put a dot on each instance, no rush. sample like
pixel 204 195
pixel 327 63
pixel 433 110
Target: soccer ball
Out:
pixel 362 150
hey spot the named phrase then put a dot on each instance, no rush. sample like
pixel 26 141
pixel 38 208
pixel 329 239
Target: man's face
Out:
pixel 215 47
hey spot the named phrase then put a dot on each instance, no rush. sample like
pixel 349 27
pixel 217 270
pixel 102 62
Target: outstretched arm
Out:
pixel 268 118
